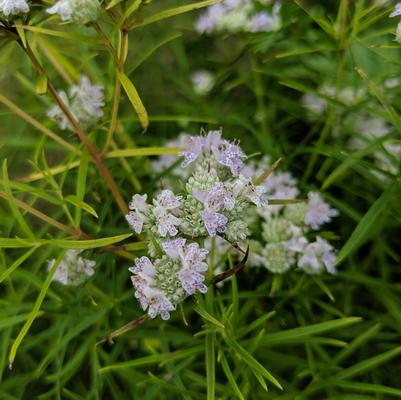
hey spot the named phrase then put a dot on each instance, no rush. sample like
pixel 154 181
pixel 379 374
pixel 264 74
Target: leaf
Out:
pixel 155 359
pixel 210 355
pixel 205 315
pixel 73 199
pixel 35 311
pixel 9 243
pixel 88 244
pixel 251 361
pixel 370 363
pixel 135 100
pixel 21 33
pixel 143 151
pixel 297 335
pixel 367 223
pixel 175 11
pixel 11 201
pixel 230 377
pixel 369 387
pixel 41 84
pixel 16 264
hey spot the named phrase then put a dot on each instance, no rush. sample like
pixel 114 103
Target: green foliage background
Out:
pixel 324 337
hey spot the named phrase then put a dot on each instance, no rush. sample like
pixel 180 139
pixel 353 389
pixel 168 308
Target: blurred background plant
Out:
pixel 320 90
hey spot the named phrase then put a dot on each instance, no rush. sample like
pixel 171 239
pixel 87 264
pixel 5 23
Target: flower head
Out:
pixel 162 284
pixel 317 257
pixel 396 11
pixel 78 11
pixel 73 269
pixel 319 212
pixel 11 8
pixel 85 101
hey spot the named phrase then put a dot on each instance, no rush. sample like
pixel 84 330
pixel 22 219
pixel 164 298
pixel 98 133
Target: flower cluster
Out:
pixel 171 277
pixel 238 16
pixel 202 82
pixel 73 269
pixel 396 12
pixel 288 238
pixel 212 203
pixel 12 8
pixel 78 11
pixel 85 102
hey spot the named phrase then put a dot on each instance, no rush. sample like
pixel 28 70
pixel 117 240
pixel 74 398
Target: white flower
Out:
pixel 319 212
pixel 398 33
pixel 165 161
pixel 137 216
pixel 88 101
pixel 266 22
pixel 150 297
pixel 318 256
pixel 135 221
pixel 56 113
pixel 138 203
pixel 193 266
pixel 202 82
pixel 237 16
pixel 84 101
pixel 13 7
pixel 166 282
pixel 72 269
pixel 396 11
pixel 79 11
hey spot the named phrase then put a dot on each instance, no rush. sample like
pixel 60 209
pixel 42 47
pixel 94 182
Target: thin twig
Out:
pixel 35 123
pixel 97 158
pixel 122 51
pixel 128 327
pixel 226 274
pixel 38 214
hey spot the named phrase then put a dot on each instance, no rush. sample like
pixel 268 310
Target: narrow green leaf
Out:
pixel 15 210
pixel 297 335
pixel 16 264
pixel 230 377
pixel 81 188
pixel 74 199
pixel 251 361
pixel 41 84
pixel 369 387
pixel 368 364
pixel 143 151
pixel 88 244
pixel 135 100
pixel 205 315
pixel 155 359
pixel 367 223
pixel 175 11
pixel 210 359
pixel 35 311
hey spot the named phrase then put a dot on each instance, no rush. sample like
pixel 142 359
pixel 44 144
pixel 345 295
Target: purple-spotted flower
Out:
pixel 319 212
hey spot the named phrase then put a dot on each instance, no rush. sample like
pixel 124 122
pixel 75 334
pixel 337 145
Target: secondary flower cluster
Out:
pixel 287 237
pixel 396 12
pixel 73 269
pixel 238 16
pixel 84 101
pixel 78 11
pixel 282 237
pixel 364 128
pixel 212 202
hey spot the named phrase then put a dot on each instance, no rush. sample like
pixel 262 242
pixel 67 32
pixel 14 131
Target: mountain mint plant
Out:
pixel 211 203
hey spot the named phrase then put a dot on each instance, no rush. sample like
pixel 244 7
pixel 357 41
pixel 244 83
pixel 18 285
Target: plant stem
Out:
pixel 97 158
pixel 122 51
